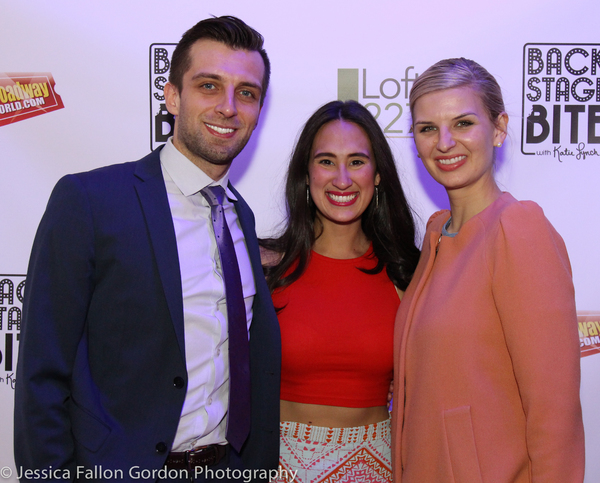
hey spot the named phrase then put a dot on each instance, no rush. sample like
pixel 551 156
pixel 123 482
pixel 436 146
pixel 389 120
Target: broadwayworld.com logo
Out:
pixel 27 95
pixel 589 332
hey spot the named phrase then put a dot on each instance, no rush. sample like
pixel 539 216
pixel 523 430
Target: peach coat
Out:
pixel 486 355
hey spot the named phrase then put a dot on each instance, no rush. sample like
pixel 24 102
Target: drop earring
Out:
pixel 376 197
pixel 307 195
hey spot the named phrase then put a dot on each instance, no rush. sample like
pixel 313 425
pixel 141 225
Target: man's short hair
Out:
pixel 228 30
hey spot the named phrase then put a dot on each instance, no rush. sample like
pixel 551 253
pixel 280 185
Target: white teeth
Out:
pixel 342 199
pixel 452 160
pixel 220 130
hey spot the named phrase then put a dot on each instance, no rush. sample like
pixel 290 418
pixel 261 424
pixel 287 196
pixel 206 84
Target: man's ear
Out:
pixel 172 98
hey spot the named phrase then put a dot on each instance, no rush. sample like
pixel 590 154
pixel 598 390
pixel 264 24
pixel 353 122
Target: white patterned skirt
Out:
pixel 310 454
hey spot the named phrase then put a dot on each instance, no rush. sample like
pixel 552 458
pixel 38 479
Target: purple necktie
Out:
pixel 238 422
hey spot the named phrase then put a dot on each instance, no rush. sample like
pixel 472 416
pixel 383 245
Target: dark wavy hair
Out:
pixel 228 30
pixel 387 223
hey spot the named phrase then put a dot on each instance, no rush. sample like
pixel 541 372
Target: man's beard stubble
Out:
pixel 210 152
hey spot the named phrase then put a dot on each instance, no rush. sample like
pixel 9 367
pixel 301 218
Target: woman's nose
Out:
pixel 445 140
pixel 342 179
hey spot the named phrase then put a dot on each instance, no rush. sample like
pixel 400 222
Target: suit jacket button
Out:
pixel 161 447
pixel 178 382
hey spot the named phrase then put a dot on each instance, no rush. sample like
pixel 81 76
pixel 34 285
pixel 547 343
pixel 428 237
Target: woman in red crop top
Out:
pixel 336 274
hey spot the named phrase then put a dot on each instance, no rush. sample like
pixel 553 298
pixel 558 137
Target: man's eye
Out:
pixel 246 93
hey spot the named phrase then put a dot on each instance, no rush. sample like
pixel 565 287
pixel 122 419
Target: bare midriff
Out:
pixel 331 416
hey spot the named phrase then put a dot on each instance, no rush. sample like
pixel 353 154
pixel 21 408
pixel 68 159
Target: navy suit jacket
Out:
pixel 101 375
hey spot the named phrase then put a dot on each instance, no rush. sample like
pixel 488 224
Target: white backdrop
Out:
pixel 98 53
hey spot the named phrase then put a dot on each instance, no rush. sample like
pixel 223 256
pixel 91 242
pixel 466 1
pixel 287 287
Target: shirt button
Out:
pixel 218 352
pixel 161 447
pixel 178 382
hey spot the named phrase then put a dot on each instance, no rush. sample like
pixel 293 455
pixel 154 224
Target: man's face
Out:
pixel 218 106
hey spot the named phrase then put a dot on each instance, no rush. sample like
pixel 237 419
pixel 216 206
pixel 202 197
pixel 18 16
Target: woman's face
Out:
pixel 341 172
pixel 455 138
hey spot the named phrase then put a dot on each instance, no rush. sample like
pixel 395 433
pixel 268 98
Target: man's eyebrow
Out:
pixel 252 85
pixel 208 75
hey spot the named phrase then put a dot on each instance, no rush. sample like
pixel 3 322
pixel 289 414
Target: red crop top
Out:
pixel 337 331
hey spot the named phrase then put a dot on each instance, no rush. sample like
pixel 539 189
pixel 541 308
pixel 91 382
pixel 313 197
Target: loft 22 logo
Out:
pixel 386 97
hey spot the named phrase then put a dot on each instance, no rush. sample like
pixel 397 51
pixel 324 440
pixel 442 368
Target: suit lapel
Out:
pixel 246 218
pixel 150 187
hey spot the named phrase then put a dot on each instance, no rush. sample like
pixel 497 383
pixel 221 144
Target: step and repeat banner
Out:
pixel 81 86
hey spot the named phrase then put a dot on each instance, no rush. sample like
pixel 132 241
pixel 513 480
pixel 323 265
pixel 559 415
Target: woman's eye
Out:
pixel 357 162
pixel 427 129
pixel 465 123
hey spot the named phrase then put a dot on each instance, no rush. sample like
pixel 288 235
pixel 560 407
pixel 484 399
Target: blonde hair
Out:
pixel 460 72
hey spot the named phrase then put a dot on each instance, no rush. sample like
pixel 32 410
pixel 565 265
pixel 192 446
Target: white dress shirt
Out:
pixel 204 416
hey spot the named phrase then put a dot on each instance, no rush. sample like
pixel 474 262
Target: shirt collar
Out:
pixel 186 175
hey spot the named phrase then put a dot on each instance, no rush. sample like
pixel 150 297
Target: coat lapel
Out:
pixel 246 218
pixel 150 187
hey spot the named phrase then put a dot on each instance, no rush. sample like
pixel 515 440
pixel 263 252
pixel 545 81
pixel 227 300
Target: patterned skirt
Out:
pixel 310 454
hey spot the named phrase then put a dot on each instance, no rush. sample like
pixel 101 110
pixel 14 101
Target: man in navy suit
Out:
pixel 123 369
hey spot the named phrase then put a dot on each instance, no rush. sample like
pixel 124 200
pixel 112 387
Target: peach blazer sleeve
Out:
pixel 535 299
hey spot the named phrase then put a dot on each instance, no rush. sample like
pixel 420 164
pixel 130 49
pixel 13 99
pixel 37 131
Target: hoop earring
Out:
pixel 376 197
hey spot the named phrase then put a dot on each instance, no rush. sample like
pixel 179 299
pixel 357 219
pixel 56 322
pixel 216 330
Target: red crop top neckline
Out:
pixel 337 329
